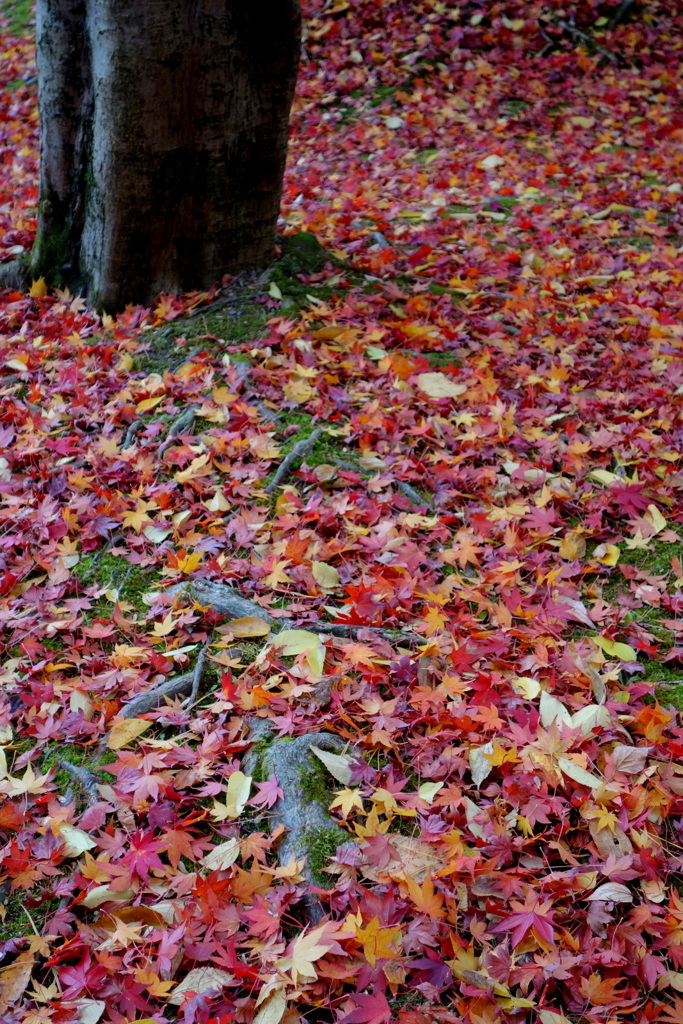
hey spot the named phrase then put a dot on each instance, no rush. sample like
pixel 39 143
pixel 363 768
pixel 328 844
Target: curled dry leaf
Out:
pixel 612 892
pixel 438 385
pixel 124 732
pixel 630 760
pixel 200 979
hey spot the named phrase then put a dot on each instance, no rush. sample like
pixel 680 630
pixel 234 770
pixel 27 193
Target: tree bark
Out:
pixel 163 141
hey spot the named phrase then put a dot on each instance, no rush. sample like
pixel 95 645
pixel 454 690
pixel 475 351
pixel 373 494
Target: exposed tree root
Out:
pixel 403 485
pixel 225 600
pixel 300 449
pixel 85 779
pixel 197 676
pixel 152 699
pixel 302 816
pixel 185 422
pixel 133 430
pixel 15 274
pixel 620 14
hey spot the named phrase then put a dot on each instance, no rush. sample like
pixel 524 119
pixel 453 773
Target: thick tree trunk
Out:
pixel 163 141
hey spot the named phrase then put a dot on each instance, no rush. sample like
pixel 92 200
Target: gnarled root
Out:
pixel 301 816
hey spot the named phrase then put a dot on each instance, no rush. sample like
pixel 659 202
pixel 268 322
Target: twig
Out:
pixel 197 676
pixel 300 449
pixel 85 779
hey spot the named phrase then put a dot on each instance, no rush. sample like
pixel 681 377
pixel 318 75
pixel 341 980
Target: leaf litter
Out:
pixel 492 356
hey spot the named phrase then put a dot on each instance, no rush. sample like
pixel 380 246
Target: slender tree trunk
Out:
pixel 163 141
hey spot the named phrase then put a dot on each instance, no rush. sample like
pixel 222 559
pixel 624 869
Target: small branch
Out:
pixel 197 676
pixel 85 779
pixel 300 449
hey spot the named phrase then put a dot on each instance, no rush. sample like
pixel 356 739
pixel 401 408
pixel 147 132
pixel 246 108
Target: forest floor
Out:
pixel 466 583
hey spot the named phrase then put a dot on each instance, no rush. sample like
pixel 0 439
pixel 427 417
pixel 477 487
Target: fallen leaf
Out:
pixel 438 385
pixel 125 731
pixel 199 980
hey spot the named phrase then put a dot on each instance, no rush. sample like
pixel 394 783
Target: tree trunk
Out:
pixel 163 141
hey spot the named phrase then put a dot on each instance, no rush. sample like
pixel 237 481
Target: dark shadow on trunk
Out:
pixel 163 141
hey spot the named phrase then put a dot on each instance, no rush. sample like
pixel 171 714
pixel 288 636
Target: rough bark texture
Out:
pixel 163 140
pixel 304 818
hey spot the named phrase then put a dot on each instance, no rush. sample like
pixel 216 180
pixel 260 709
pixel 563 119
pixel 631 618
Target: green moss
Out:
pixel 53 643
pixel 315 782
pixel 257 751
pixel 77 755
pixel 20 16
pixel 15 923
pixel 671 694
pixel 27 912
pixel 656 561
pixel 320 845
pixel 103 570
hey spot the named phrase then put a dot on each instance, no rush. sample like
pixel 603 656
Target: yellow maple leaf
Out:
pixel 499 755
pixel 166 626
pixel 188 563
pixel 347 799
pixel 435 620
pixel 425 899
pixel 38 289
pixel 136 517
pixel 303 953
pixel 277 576
pixel 378 943
pixel 372 825
pixel 30 783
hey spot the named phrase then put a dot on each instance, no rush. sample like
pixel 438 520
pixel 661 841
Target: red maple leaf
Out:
pixel 370 1009
pixel 530 915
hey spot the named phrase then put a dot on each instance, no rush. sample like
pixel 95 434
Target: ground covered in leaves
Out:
pixel 490 348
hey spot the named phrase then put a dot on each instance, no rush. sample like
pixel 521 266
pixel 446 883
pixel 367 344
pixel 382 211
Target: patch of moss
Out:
pixel 19 15
pixel 655 560
pixel 77 755
pixel 320 845
pixel 302 256
pixel 257 751
pixel 315 782
pixel 102 569
pixel 24 912
pixel 671 694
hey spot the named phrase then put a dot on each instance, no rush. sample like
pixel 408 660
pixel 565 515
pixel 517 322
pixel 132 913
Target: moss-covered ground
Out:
pixel 19 15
